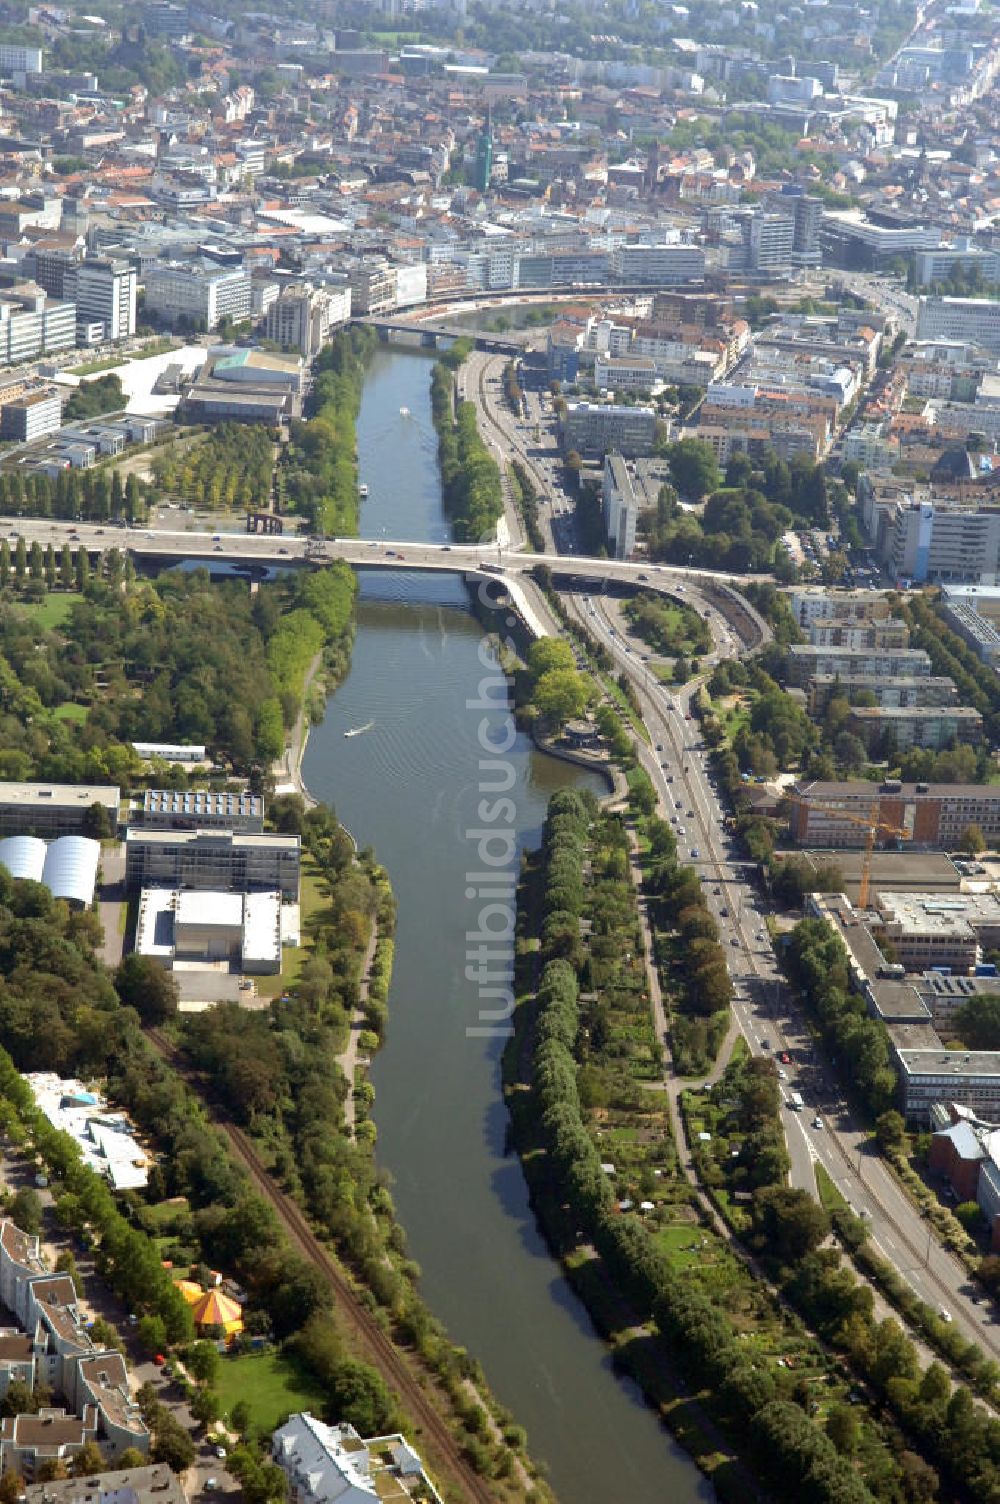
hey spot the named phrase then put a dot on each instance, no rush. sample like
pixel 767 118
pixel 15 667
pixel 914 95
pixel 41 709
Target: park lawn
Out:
pixel 270 1384
pixel 92 367
pixel 158 347
pixel 53 610
pixel 69 710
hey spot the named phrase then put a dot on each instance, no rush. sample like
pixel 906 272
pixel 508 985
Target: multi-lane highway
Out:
pixel 823 1132
pixel 167 544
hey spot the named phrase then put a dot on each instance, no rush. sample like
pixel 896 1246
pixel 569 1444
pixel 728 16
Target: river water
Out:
pixel 409 788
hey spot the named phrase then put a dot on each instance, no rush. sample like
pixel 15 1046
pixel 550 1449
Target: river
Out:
pixel 409 788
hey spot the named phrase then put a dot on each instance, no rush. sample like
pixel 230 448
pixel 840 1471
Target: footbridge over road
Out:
pixel 254 554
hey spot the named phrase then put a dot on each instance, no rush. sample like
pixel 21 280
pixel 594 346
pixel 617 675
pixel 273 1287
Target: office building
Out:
pixel 15 59
pixel 594 428
pixel 30 417
pixel 58 809
pixel 975 321
pixel 935 815
pixel 198 296
pixel 105 296
pixel 620 506
pixel 201 809
pixel 927 1073
pixel 933 542
pixel 32 324
pixel 770 243
pixel 657 265
pixel 212 859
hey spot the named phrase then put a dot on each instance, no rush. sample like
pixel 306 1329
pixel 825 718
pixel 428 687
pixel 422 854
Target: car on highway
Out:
pixel 817 1121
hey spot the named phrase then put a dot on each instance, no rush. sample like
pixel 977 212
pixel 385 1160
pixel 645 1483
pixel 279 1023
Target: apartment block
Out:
pixel 932 690
pixel 303 317
pixel 883 635
pixel 804 661
pixel 915 725
pixel 813 603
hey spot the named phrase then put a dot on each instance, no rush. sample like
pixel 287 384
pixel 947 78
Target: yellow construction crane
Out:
pixel 872 824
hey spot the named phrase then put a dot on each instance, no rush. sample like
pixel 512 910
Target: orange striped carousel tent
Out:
pixel 216 1309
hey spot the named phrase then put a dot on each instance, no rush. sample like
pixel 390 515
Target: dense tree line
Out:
pixel 527 498
pixel 817 964
pixel 978 685
pixel 470 476
pixel 319 472
pixel 97 495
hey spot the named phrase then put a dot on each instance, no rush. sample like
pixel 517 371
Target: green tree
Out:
pixel 890 1130
pixel 977 1022
pixel 972 841
pixel 148 988
pixel 172 1444
pixel 790 1223
pixel 561 695
pixel 26 1210
pixel 694 469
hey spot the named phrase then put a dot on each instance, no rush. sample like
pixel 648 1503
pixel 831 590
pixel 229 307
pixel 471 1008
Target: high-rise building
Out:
pixel 771 238
pixel 105 295
pixel 484 158
pixel 620 505
pixel 302 317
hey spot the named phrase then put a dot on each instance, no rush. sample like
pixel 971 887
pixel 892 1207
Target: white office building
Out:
pixel 105 295
pixel 620 505
pixel 14 59
pixel 973 320
pixel 176 291
pixel 658 265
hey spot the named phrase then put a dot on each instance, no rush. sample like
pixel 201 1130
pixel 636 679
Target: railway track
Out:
pixel 375 1345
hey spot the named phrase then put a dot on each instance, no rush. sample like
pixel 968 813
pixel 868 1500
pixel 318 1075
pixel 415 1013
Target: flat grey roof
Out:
pixel 62 795
pixel 929 1062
